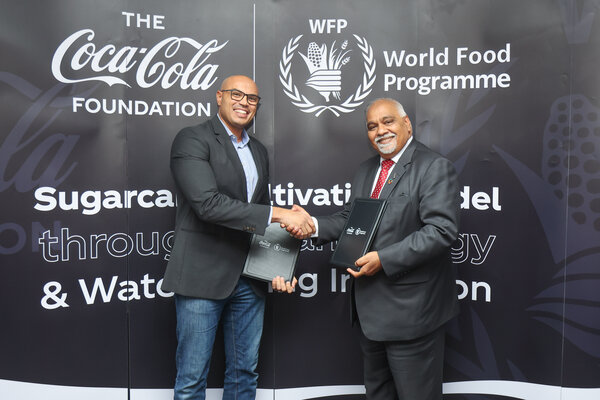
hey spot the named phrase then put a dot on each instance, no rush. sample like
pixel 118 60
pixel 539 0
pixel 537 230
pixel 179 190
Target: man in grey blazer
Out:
pixel 405 289
pixel 222 177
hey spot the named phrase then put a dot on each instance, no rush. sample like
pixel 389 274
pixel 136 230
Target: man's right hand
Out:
pixel 296 221
pixel 296 230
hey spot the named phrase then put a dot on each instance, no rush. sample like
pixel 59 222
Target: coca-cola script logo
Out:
pixel 106 63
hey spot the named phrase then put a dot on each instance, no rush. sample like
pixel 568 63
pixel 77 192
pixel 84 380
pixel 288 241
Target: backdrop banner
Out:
pixel 94 93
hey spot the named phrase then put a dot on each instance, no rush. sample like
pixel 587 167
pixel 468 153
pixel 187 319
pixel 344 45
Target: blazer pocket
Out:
pixel 398 198
pixel 418 275
pixel 398 204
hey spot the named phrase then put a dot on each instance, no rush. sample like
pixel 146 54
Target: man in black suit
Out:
pixel 405 289
pixel 222 177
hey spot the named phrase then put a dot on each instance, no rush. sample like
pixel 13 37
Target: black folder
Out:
pixel 271 255
pixel 359 231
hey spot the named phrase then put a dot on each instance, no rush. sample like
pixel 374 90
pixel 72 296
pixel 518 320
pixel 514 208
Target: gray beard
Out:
pixel 386 148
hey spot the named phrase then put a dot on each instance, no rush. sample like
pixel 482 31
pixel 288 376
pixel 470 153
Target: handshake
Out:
pixel 295 220
pixel 301 226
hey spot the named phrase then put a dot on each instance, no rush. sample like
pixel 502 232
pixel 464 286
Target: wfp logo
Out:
pixel 325 70
pixel 357 231
pixel 323 65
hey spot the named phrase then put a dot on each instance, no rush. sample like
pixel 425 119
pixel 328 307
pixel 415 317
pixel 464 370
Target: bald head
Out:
pixel 236 81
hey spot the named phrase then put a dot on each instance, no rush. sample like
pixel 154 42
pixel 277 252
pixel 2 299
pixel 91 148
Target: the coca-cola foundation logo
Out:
pixel 79 59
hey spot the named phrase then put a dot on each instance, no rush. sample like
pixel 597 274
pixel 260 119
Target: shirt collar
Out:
pixel 245 137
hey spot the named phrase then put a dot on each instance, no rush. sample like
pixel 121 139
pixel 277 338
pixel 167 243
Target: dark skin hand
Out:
pixel 369 265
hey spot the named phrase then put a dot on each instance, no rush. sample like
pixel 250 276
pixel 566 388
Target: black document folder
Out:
pixel 359 231
pixel 271 255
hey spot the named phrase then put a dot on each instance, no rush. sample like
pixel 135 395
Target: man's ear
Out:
pixel 408 124
pixel 219 97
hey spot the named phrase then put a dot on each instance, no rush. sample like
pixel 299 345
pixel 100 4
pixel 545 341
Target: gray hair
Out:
pixel 399 106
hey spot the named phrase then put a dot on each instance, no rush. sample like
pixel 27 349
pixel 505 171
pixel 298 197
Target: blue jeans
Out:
pixel 197 320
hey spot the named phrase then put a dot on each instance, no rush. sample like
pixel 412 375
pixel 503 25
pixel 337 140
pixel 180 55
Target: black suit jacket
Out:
pixel 415 293
pixel 214 221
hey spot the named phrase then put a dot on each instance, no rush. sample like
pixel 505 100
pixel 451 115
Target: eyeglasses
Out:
pixel 238 95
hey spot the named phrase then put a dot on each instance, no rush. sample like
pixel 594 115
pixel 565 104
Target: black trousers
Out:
pixel 404 370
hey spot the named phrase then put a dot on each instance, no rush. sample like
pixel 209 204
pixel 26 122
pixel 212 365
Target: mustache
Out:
pixel 386 136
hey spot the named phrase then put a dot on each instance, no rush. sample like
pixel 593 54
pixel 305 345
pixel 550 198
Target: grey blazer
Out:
pixel 214 220
pixel 416 291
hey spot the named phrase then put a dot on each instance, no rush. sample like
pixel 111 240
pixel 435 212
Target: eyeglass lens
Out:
pixel 238 95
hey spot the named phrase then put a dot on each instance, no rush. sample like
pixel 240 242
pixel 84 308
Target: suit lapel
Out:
pixel 224 140
pixel 398 171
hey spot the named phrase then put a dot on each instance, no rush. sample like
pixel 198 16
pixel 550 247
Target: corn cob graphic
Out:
pixel 571 162
pixel 325 68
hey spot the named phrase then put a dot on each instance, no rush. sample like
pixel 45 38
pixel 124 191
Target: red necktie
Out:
pixel 385 169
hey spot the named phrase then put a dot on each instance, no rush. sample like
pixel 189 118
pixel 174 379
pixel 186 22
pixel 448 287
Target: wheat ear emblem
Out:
pixel 325 68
